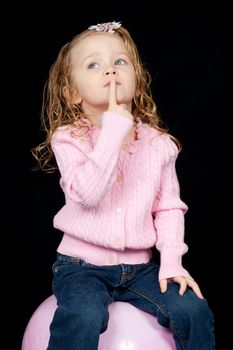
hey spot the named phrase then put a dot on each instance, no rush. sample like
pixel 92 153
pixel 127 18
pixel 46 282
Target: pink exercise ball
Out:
pixel 128 329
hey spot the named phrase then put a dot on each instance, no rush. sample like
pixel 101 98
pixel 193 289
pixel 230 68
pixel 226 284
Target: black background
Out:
pixel 187 47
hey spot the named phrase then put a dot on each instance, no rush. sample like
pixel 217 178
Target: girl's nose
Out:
pixel 110 71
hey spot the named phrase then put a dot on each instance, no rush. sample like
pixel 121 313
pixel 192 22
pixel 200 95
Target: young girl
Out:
pixel 117 166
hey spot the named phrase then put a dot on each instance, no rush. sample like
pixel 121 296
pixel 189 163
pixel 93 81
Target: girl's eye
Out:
pixel 120 61
pixel 93 65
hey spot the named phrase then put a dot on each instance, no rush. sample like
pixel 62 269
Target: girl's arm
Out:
pixel 169 212
pixel 86 174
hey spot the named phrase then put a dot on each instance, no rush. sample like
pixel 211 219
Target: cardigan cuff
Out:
pixel 115 128
pixel 171 262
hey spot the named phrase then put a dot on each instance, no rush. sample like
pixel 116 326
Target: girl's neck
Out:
pixel 95 120
pixel 95 116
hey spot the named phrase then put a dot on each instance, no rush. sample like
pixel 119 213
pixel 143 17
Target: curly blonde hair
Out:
pixel 58 109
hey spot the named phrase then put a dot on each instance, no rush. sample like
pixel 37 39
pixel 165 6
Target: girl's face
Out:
pixel 96 59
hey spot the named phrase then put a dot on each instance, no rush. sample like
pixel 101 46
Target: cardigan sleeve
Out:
pixel 86 173
pixel 168 211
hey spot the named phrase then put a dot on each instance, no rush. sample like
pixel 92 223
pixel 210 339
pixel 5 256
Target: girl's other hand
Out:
pixel 184 282
pixel 113 106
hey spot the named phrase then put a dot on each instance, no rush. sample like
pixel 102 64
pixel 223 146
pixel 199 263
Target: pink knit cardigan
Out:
pixel 120 200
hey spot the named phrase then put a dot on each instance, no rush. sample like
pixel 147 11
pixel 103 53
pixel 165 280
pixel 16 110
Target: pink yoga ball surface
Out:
pixel 128 329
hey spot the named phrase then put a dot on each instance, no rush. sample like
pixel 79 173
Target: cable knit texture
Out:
pixel 120 199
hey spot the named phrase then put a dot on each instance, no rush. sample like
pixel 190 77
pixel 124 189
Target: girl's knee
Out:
pixel 190 316
pixel 200 311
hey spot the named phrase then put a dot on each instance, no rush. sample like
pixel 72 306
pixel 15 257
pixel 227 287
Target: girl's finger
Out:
pixel 163 285
pixel 183 286
pixel 182 282
pixel 191 283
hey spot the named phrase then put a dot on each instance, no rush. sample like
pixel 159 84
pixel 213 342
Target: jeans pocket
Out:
pixel 63 261
pixel 57 266
pixel 85 263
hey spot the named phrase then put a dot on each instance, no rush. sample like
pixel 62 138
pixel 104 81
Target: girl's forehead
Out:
pixel 91 41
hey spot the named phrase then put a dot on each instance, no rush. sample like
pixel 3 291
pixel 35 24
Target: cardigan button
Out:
pixel 119 210
pixel 119 178
pixel 111 260
pixel 118 242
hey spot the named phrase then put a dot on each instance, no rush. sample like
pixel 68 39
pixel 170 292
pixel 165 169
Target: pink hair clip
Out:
pixel 106 27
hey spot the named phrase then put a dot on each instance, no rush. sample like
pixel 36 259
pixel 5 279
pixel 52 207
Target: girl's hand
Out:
pixel 113 106
pixel 184 282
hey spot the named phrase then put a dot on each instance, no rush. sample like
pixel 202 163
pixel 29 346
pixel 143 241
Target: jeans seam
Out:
pixel 162 311
pixel 126 275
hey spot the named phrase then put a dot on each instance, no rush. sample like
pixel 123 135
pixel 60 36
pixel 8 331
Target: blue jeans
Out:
pixel 84 291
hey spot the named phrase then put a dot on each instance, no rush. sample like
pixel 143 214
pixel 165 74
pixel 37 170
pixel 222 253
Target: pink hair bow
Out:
pixel 106 27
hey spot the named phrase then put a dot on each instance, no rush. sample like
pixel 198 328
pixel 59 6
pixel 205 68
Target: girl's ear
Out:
pixel 76 98
pixel 72 96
